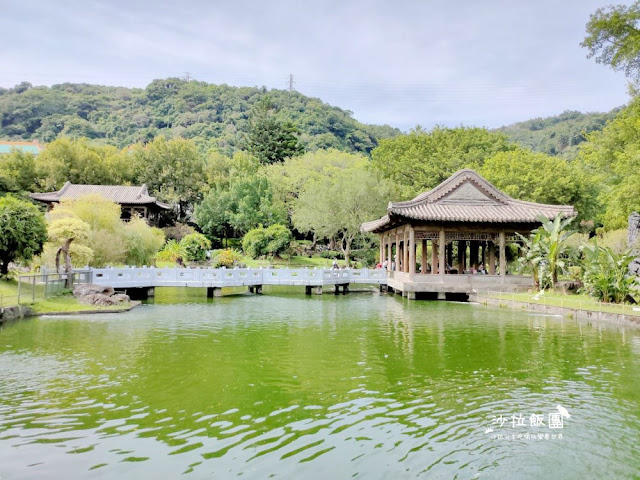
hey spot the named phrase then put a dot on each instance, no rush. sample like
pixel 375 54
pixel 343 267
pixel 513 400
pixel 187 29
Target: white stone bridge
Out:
pixel 214 279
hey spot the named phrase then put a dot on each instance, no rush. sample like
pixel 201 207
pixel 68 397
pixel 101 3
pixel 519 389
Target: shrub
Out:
pixel 279 238
pixel 195 247
pixel 273 241
pixel 331 254
pixel 226 258
pixel 178 231
pixel 142 242
pixel 172 252
pixel 255 242
pixel 606 273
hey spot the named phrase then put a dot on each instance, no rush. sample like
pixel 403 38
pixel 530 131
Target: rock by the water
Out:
pixel 99 295
pixel 90 289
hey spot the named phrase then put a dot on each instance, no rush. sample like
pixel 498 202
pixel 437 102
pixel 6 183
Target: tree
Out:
pixel 106 230
pixel 23 231
pixel 79 161
pixel 173 170
pixel 536 177
pixel 422 160
pixel 335 206
pixel 62 233
pixel 109 240
pixel 18 172
pixel 610 159
pixel 269 139
pixel 142 242
pixel 613 38
pixel 245 204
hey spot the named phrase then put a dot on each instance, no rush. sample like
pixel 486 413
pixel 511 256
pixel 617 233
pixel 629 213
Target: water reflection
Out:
pixel 287 385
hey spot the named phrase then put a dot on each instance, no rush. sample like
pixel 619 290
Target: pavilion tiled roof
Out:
pixel 124 195
pixel 466 197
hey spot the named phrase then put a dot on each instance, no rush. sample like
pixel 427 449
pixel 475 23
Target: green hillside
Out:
pixel 212 115
pixel 559 134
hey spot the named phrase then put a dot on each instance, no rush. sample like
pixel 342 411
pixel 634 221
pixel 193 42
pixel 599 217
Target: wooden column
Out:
pixel 390 256
pixel 423 267
pixel 450 254
pixel 492 258
pixel 503 255
pixel 473 254
pixel 412 251
pixel 397 251
pixel 405 252
pixel 434 257
pixel 462 247
pixel 441 259
pixel 381 249
pixel 483 255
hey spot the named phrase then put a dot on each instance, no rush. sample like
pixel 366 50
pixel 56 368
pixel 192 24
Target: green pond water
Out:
pixel 287 386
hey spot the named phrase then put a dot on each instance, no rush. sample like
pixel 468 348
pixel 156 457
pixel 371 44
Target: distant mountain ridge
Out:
pixel 558 134
pixel 212 115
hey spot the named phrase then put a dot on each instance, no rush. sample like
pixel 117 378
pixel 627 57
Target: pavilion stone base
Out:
pixel 453 286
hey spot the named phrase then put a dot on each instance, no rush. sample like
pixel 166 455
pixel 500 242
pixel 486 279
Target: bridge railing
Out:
pixel 132 277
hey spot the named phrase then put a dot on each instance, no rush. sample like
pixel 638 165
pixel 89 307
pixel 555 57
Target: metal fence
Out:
pixel 561 301
pixel 39 286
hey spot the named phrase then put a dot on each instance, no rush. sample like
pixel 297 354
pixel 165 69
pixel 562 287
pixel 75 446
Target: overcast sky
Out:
pixel 404 63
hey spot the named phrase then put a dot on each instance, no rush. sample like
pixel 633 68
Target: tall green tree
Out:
pixel 611 160
pixel 613 38
pixel 335 206
pixel 173 170
pixel 269 138
pixel 18 172
pixel 245 204
pixel 537 177
pixel 23 231
pixel 80 161
pixel 421 160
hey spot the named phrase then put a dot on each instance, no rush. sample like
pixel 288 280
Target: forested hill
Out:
pixel 212 115
pixel 557 135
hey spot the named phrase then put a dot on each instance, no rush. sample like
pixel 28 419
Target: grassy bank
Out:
pixel 55 304
pixel 574 301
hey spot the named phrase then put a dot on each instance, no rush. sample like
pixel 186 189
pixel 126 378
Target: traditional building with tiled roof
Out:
pixel 134 200
pixel 465 215
pixel 26 147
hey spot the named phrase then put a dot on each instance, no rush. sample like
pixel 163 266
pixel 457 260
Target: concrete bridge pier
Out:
pixel 315 289
pixel 383 289
pixel 257 289
pixel 345 288
pixel 214 292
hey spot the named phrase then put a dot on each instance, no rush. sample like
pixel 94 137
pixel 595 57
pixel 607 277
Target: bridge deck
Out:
pixel 134 277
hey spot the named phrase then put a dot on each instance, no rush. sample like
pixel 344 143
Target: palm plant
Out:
pixel 547 249
pixel 606 274
pixel 532 256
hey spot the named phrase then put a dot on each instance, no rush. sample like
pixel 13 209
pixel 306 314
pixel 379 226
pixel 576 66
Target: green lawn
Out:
pixel 575 301
pixel 60 303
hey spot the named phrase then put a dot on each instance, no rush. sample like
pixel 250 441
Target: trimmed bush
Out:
pixel 272 241
pixel 195 247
